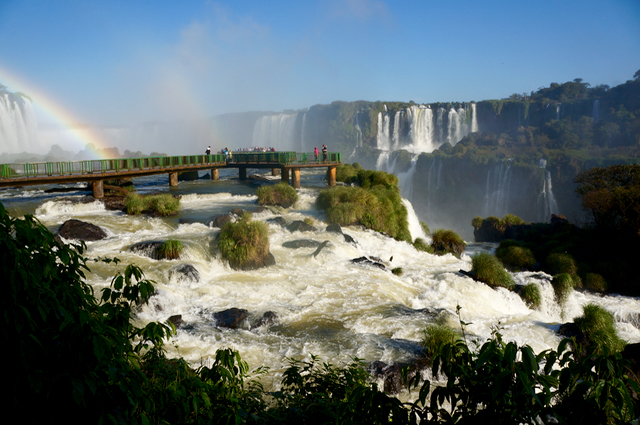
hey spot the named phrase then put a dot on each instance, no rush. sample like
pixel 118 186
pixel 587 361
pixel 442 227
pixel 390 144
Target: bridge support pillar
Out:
pixel 275 171
pixel 173 179
pixel 285 175
pixel 331 175
pixel 98 189
pixel 215 174
pixel 295 178
pixel 242 173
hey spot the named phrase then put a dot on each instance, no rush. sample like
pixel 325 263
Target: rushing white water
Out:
pixel 18 125
pixel 326 305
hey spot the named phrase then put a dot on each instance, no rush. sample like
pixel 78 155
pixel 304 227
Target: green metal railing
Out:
pixel 104 166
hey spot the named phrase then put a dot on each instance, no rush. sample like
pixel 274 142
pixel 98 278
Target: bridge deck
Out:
pixel 102 169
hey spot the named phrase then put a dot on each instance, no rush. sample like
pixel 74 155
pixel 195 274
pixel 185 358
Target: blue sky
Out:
pixel 123 62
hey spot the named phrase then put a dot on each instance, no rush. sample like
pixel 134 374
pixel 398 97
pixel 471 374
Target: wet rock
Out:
pixel 185 273
pixel 392 375
pixel 268 318
pixel 80 230
pixel 320 248
pixel 219 220
pixel 188 221
pixel 300 226
pixel 149 249
pixel 188 175
pixel 278 220
pixel 348 239
pixel 365 260
pixel 176 320
pixel 334 228
pixel 302 243
pixel 231 318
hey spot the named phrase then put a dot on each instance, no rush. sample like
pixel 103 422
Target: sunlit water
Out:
pixel 326 305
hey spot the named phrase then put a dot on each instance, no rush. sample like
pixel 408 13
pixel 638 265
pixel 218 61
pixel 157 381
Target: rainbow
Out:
pixel 80 135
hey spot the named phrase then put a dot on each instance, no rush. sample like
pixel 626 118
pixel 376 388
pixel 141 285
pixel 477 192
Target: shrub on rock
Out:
pixel 557 263
pixel 160 205
pixel 562 286
pixel 488 269
pixel 245 245
pixel 445 241
pixel 595 282
pixel 599 328
pixel 530 294
pixel 514 256
pixel 435 335
pixel 170 249
pixel 281 194
pixel 421 245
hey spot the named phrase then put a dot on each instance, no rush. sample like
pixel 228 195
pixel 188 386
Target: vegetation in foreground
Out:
pixel 81 359
pixel 375 204
pixel 159 205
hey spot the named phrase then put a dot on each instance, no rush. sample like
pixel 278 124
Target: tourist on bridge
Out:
pixel 208 151
pixel 316 153
pixel 324 153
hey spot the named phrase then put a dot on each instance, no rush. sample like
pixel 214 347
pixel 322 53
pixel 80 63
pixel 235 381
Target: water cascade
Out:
pixel 417 129
pixel 18 124
pixel 596 110
pixel 277 131
pixel 498 190
pixel 547 204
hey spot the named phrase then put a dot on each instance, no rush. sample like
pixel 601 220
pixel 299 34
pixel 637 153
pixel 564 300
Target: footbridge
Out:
pixel 95 172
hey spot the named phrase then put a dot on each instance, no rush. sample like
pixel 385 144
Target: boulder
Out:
pixel 150 249
pixel 266 261
pixel 268 318
pixel 278 220
pixel 320 248
pixel 231 318
pixel 175 320
pixel 300 226
pixel 219 220
pixel 185 273
pixel 188 175
pixel 76 229
pixel 334 228
pixel 302 243
pixel 348 238
pixel 365 260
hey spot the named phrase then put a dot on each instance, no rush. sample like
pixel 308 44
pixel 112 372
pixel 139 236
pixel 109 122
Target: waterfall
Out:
pixel 474 119
pixel 596 110
pixel 405 180
pixel 18 125
pixel 415 228
pixel 304 124
pixel 276 131
pixel 547 204
pixel 383 139
pixel 434 177
pixel 558 111
pixel 416 130
pixel 496 199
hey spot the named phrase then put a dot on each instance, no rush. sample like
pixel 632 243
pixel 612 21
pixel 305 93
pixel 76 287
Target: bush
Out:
pixel 279 194
pixel 557 263
pixel 530 294
pixel 599 329
pixel 445 241
pixel 244 243
pixel 377 209
pixel 425 228
pixel 161 205
pixel 515 257
pixel 421 245
pixel 477 222
pixel 488 269
pixel 170 249
pixel 436 335
pixel 562 287
pixel 397 271
pixel 595 282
